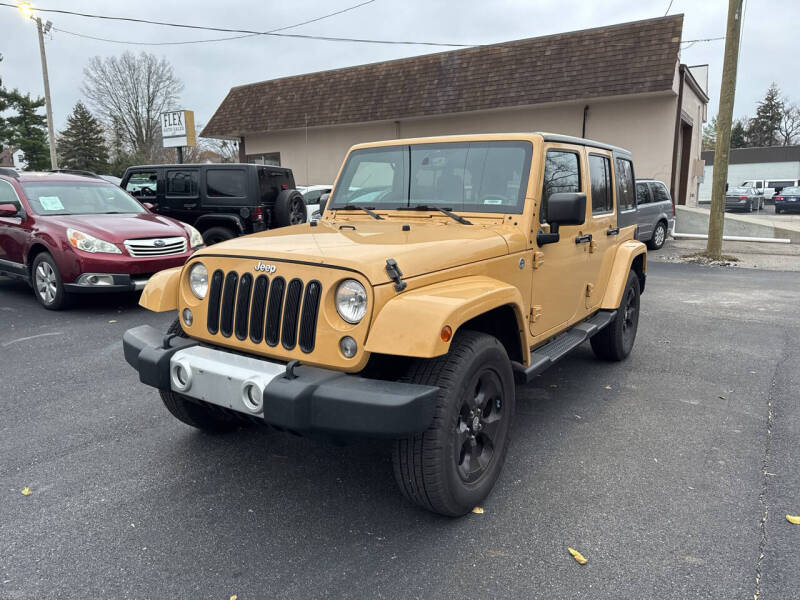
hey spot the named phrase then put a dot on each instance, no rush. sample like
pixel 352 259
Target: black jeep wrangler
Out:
pixel 221 200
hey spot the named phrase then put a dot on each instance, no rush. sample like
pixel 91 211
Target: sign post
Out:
pixel 177 130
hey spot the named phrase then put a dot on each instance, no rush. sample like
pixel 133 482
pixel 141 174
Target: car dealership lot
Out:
pixel 658 469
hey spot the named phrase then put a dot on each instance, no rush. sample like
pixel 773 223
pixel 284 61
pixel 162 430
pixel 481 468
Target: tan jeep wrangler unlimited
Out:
pixel 444 272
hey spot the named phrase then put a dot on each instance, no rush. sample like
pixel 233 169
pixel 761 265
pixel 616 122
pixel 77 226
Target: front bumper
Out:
pixel 88 283
pixel 301 399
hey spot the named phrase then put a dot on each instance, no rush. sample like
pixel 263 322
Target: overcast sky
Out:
pixel 210 70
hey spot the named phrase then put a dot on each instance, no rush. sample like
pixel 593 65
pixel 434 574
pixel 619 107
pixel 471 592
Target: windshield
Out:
pixel 739 190
pixel 78 198
pixel 791 190
pixel 490 177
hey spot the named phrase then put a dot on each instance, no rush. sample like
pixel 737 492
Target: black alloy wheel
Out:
pixel 297 211
pixel 479 424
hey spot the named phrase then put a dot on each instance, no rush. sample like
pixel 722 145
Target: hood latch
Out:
pixel 394 273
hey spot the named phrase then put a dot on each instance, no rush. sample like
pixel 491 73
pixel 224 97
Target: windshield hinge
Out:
pixel 538 259
pixel 394 273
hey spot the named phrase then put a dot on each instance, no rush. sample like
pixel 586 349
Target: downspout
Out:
pixel 242 151
pixel 675 140
pixel 583 128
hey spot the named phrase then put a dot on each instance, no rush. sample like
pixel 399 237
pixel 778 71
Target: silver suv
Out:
pixel 653 212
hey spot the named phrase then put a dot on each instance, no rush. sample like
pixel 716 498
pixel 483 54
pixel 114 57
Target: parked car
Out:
pixel 746 199
pixel 441 275
pixel 311 196
pixel 70 234
pixel 788 200
pixel 652 210
pixel 769 187
pixel 221 200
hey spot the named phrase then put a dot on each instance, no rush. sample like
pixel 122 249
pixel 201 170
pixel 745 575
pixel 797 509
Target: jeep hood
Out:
pixel 364 246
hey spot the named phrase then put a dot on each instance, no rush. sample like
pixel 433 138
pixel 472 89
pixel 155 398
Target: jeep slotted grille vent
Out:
pixel 272 311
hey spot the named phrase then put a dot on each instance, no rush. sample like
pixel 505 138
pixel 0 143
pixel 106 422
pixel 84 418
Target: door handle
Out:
pixel 612 231
pixel 190 205
pixel 582 239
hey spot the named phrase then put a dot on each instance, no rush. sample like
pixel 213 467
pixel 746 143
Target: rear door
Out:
pixel 181 193
pixel 601 223
pixel 661 206
pixel 643 200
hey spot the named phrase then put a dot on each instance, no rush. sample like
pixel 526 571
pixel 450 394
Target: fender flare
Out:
pixel 627 253
pixel 161 292
pixel 209 219
pixel 410 324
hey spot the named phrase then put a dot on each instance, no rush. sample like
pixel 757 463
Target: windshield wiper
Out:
pixel 446 211
pixel 366 209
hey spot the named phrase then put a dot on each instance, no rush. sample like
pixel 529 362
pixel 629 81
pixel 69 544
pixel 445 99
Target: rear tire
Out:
pixel 215 235
pixel 453 465
pixel 615 341
pixel 290 208
pixel 659 236
pixel 201 416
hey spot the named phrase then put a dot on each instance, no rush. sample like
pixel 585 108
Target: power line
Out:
pixel 666 12
pixel 245 31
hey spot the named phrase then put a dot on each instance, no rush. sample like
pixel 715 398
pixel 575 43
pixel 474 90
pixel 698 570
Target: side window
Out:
pixel 144 183
pixel 625 192
pixel 642 194
pixel 600 177
pixel 660 193
pixel 313 197
pixel 8 195
pixel 562 173
pixel 226 183
pixel 182 183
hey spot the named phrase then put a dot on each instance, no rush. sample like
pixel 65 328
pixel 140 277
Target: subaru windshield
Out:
pixel 79 198
pixel 488 177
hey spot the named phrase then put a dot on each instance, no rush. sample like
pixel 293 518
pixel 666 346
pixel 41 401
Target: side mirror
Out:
pixel 323 202
pixel 563 208
pixel 8 210
pixel 149 206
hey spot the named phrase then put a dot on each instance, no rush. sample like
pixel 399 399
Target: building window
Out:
pixel 269 158
pixel 562 173
pixel 600 176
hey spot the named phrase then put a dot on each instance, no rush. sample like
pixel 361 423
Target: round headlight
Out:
pixel 198 280
pixel 351 301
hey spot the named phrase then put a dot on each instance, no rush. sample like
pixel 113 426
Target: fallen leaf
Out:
pixel 234 597
pixel 721 397
pixel 477 510
pixel 793 519
pixel 608 387
pixel 26 491
pixel 577 556
pixel 113 321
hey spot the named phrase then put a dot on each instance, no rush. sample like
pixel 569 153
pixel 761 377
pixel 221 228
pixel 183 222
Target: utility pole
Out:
pixel 722 149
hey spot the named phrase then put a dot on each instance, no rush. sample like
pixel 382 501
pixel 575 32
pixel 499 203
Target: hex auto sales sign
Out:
pixel 177 128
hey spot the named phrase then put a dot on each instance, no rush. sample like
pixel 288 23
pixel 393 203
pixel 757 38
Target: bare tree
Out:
pixel 789 127
pixel 130 92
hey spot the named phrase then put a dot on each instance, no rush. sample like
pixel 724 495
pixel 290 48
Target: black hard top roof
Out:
pixel 207 165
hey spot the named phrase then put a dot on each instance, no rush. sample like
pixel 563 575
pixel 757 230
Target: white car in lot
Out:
pixel 311 195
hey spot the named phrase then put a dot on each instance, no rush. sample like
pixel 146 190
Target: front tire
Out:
pixel 615 341
pixel 215 235
pixel 47 283
pixel 453 465
pixel 201 416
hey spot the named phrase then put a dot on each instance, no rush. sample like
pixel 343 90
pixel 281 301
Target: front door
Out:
pixel 13 232
pixel 559 268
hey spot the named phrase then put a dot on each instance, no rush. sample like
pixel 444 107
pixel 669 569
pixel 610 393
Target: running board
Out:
pixel 561 345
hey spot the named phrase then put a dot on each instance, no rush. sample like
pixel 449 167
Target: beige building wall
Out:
pixel 644 125
pixel 693 110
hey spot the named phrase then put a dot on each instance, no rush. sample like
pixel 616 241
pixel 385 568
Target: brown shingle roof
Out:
pixel 635 57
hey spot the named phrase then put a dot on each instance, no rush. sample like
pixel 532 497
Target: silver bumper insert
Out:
pixel 223 378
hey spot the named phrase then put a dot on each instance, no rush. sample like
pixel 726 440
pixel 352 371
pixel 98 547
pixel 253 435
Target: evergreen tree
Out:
pixel 738 134
pixel 763 128
pixel 27 129
pixel 710 134
pixel 82 144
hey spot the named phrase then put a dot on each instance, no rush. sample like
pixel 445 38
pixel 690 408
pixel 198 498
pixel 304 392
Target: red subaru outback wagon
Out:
pixel 69 234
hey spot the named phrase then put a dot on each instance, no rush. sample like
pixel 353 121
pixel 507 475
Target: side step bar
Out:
pixel 561 345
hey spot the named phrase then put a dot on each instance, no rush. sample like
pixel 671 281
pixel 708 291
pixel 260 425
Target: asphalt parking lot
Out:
pixel 671 472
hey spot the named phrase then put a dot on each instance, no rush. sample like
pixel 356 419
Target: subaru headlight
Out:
pixel 351 301
pixel 195 238
pixel 198 280
pixel 89 243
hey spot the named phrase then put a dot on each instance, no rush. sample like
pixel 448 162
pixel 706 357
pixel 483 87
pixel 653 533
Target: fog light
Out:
pixel 181 376
pixel 348 346
pixel 188 317
pixel 252 397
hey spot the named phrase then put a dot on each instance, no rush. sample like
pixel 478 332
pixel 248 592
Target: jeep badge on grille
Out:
pixel 265 268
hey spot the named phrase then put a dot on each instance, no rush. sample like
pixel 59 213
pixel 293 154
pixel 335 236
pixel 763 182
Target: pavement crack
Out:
pixel 765 474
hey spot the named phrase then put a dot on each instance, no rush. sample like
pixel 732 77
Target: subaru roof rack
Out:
pixel 76 172
pixel 9 172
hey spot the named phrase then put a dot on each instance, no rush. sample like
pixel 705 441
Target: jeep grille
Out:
pixel 272 311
